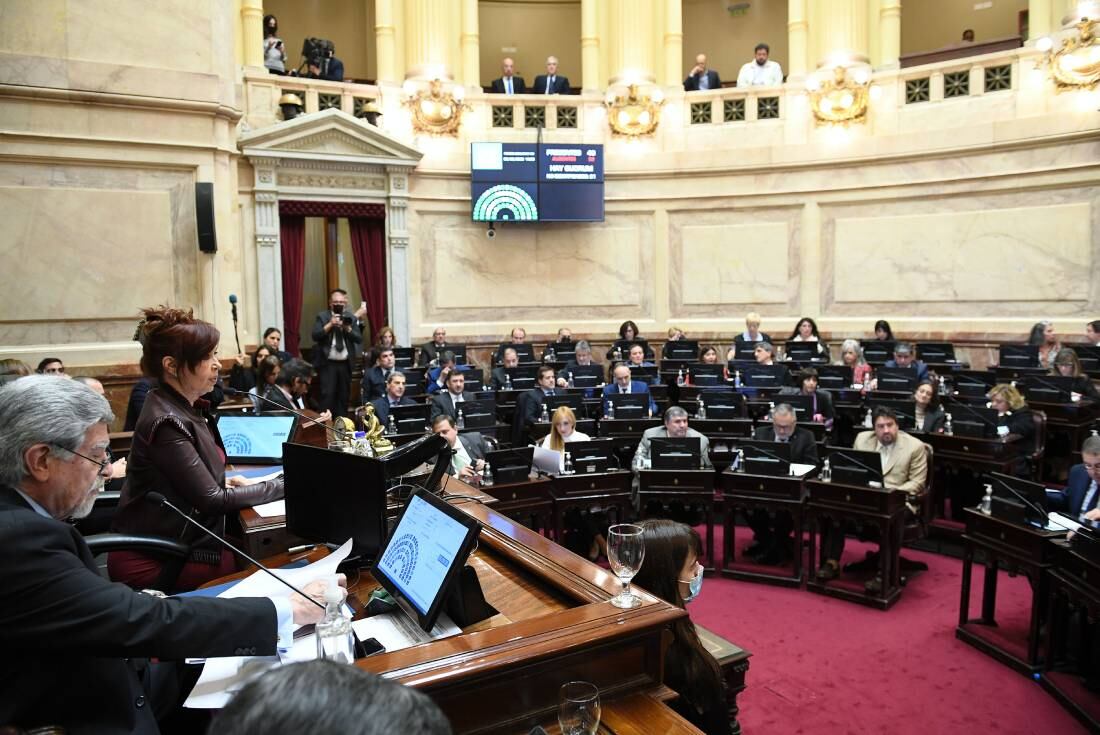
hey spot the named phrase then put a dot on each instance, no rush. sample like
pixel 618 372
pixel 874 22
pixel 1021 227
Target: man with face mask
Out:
pixel 337 340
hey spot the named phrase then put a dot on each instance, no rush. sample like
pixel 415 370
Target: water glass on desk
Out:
pixel 625 552
pixel 579 708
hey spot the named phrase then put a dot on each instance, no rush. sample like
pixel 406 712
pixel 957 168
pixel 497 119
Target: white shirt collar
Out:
pixel 33 504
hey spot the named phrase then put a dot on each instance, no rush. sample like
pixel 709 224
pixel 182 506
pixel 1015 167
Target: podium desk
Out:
pixel 586 491
pixel 761 492
pixel 881 508
pixel 690 487
pixel 1017 549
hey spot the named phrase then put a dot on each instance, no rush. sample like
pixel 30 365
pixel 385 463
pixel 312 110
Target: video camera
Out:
pixel 317 51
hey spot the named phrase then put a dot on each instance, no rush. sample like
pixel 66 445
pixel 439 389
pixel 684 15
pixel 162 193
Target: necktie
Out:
pixel 338 340
pixel 508 85
pixel 622 389
pixel 1090 498
pixel 549 84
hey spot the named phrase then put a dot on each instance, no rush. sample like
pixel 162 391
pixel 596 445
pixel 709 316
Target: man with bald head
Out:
pixel 701 78
pixel 509 83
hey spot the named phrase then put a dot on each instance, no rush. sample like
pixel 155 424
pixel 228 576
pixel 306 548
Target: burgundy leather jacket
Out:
pixel 177 452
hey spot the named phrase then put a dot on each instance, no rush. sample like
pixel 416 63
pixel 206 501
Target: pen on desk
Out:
pixel 299 549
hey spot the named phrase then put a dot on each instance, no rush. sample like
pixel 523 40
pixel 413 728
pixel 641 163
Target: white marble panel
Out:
pixel 735 263
pixel 1014 254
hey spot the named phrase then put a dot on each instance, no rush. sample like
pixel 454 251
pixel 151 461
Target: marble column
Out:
pixel 673 44
pixel 269 260
pixel 590 46
pixel 397 254
pixel 385 41
pixel 631 34
pixel 252 32
pixel 889 31
pixel 1039 13
pixel 469 42
pixel 428 36
pixel 843 30
pixel 798 39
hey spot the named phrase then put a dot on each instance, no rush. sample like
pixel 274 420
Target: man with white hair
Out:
pixel 75 644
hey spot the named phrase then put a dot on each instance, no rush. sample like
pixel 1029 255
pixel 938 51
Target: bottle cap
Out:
pixel 334 593
pixel 360 435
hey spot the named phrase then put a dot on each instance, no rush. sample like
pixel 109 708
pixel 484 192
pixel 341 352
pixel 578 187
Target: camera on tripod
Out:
pixel 317 52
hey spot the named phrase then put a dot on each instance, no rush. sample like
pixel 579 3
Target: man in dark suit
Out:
pixel 903 358
pixel 290 389
pixel 500 376
pixel 469 449
pixel 1081 494
pixel 337 340
pixel 435 380
pixel 772 542
pixel 509 83
pixel 582 357
pixel 395 396
pixel 77 646
pixel 374 379
pixel 517 337
pixel 446 402
pixel 551 82
pixel 529 404
pixel 701 78
pixel 622 383
pixel 429 351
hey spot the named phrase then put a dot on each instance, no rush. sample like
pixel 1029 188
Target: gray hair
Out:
pixel 583 346
pixel 1091 445
pixel 40 409
pixel 903 348
pixel 766 346
pixel 784 409
pixel 675 412
pixel 854 346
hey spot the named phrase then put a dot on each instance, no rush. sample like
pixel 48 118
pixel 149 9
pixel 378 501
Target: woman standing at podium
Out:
pixel 178 452
pixel 672 572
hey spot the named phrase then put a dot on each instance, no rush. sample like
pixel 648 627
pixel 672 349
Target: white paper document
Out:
pixel 395 630
pixel 262 478
pixel 547 460
pixel 798 470
pixel 273 509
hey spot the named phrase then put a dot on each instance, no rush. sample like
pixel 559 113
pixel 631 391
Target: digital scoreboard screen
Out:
pixel 527 182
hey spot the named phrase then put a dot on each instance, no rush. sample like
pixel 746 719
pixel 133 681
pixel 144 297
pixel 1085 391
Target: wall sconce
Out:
pixel 634 113
pixel 435 109
pixel 842 99
pixel 1076 65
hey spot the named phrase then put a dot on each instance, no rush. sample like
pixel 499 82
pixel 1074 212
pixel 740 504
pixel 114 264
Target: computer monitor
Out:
pixel 973 383
pixel 765 457
pixel 591 456
pixel 803 405
pixel 877 351
pixel 704 374
pixel 1048 388
pixel 675 453
pixel 511 465
pixel 1018 356
pixel 942 352
pixel 1018 501
pixel 906 410
pixel 585 376
pixel 722 403
pixel 524 351
pixel 424 556
pixel 834 377
pixel 256 438
pixel 681 349
pixel 479 413
pixel 647 374
pixel 764 376
pixel 745 351
pixel 573 400
pixel 802 351
pixel 563 351
pixel 474 379
pixel 975 421
pixel 415 376
pixel 404 357
pixel 854 467
pixel 523 376
pixel 630 405
pixel 1089 355
pixel 332 495
pixel 412 419
pixel 897 379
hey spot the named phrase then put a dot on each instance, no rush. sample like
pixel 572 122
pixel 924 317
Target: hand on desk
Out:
pixel 1093 515
pixel 237 481
pixel 472 472
pixel 305 612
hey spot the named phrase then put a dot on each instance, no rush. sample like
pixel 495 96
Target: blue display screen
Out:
pixel 254 437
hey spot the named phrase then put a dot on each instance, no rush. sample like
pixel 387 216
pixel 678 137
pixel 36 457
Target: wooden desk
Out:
pixel 763 492
pixel 687 486
pixel 591 490
pixel 878 507
pixel 734 663
pixel 1017 549
pixel 1068 425
pixel 530 503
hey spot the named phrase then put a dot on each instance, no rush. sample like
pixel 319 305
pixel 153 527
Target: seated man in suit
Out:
pixel 469 449
pixel 771 542
pixel 66 628
pixel 529 404
pixel 291 388
pixel 436 378
pixel 1080 496
pixel 429 351
pixel 374 379
pixel 551 82
pixel 701 78
pixel 446 402
pixel 508 83
pixel 500 377
pixel 517 337
pixel 395 396
pixel 904 467
pixel 582 356
pixel 621 383
pixel 676 426
pixel 903 358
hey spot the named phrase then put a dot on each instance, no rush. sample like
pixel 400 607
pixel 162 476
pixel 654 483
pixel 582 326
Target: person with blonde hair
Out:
pixel 1015 424
pixel 12 369
pixel 751 334
pixel 563 430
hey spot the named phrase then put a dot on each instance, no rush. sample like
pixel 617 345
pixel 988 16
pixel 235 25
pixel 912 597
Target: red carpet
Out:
pixel 822 665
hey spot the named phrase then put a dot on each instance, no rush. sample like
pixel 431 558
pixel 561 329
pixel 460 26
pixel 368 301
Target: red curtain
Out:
pixel 368 244
pixel 292 235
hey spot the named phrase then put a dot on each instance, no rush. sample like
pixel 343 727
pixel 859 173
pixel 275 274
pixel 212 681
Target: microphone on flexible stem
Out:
pixel 159 499
pixel 339 433
pixel 233 305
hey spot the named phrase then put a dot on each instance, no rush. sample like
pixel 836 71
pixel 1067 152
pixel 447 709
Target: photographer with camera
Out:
pixel 320 56
pixel 337 341
pixel 274 53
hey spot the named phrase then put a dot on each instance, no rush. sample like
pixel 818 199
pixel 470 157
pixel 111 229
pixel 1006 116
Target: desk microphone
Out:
pixel 339 433
pixel 233 305
pixel 159 499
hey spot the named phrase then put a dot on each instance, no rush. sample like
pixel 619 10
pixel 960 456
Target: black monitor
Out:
pixel 459 352
pixel 425 555
pixel 591 456
pixel 256 438
pixel 764 376
pixel 413 389
pixel 1089 355
pixel 332 495
pixel 474 379
pixel 573 400
pixel 412 419
pixel 834 377
pixel 524 351
pixel 1048 388
pixel 1018 356
pixel 630 405
pixel 745 351
pixel 765 457
pixel 563 351
pixel 906 410
pixel 478 414
pixel 675 453
pixel 404 357
pixel 897 379
pixel 802 351
pixel 803 405
pixel 722 403
pixel 1018 501
pixel 523 377
pixel 975 421
pixel 973 383
pixel 512 465
pixel 854 467
pixel 681 349
pixel 585 376
pixel 942 352
pixel 704 374
pixel 877 351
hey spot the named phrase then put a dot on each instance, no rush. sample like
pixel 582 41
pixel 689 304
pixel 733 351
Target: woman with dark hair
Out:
pixel 244 378
pixel 178 452
pixel 274 53
pixel 628 335
pixel 672 572
pixel 1044 337
pixel 883 333
pixel 929 414
pixel 1068 365
pixel 273 339
pixel 821 402
pixel 806 331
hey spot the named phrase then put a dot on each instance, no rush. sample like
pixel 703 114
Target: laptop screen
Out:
pixel 252 439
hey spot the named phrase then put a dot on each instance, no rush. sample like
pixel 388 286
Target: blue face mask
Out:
pixel 695 584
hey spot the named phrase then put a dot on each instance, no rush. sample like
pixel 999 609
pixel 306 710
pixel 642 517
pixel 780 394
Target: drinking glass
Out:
pixel 625 551
pixel 579 708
